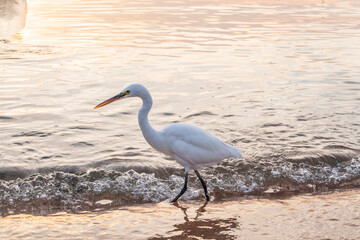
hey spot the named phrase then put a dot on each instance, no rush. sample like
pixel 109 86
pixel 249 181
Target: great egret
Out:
pixel 190 146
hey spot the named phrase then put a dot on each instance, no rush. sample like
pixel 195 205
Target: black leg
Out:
pixel 203 184
pixel 183 189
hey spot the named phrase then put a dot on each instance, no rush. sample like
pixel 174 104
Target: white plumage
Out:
pixel 190 146
pixel 195 148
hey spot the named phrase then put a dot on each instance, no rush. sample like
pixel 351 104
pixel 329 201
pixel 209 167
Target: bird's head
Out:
pixel 134 90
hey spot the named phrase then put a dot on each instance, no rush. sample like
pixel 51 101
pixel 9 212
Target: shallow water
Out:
pixel 327 216
pixel 280 81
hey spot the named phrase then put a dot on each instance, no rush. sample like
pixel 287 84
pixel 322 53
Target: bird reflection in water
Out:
pixel 201 227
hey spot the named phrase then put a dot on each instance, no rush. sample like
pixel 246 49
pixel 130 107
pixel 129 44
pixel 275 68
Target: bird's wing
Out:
pixel 196 146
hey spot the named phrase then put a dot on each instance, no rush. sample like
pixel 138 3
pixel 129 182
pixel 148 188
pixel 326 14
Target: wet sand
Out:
pixel 325 216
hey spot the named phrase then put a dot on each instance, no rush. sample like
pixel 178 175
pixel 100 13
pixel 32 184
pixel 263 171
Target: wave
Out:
pixel 85 190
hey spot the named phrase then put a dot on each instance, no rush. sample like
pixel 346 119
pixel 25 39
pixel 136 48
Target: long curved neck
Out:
pixel 150 134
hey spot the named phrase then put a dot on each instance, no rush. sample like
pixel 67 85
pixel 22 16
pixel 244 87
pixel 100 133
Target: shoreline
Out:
pixel 333 215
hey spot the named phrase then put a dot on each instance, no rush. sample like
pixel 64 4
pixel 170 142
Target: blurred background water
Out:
pixel 279 80
pixel 12 16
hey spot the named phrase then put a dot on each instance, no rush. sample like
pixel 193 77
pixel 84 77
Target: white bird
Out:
pixel 190 146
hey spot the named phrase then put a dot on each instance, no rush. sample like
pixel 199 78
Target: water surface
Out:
pixel 278 80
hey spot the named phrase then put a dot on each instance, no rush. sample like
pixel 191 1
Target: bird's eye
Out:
pixel 127 92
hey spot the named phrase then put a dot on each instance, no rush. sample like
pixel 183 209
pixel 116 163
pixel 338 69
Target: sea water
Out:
pixel 280 81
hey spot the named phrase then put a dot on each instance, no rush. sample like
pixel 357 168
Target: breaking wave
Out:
pixel 97 187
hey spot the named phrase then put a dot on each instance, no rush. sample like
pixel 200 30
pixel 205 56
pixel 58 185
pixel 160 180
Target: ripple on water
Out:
pixel 202 113
pixel 10 51
pixel 32 134
pixel 82 144
pixel 6 118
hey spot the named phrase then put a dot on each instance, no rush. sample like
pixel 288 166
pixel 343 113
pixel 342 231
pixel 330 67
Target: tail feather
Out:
pixel 235 152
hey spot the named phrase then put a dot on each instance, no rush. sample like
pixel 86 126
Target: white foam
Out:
pixel 133 187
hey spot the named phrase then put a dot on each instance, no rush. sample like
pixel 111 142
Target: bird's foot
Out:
pixel 207 197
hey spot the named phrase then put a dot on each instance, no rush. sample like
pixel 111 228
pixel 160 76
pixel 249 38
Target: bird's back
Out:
pixel 194 147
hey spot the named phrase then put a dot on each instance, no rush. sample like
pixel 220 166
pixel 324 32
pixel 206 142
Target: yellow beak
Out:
pixel 110 100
